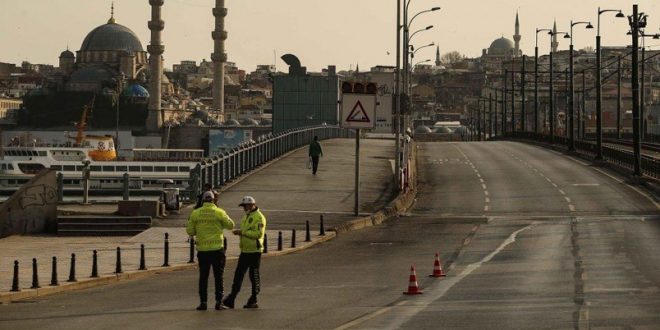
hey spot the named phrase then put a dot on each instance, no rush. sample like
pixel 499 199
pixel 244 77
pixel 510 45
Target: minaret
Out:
pixel 219 57
pixel 517 37
pixel 155 50
pixel 555 42
pixel 437 56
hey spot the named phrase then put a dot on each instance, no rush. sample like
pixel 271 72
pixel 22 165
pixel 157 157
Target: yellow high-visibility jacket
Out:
pixel 253 228
pixel 206 224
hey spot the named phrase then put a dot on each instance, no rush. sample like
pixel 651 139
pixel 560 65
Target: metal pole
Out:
pixel 356 207
pixel 397 95
pixel 642 93
pixel 571 101
pixel 479 129
pixel 566 105
pixel 495 121
pixel 583 114
pixel 513 98
pixel 522 92
pixel 536 89
pixel 599 100
pixel 506 76
pixel 635 93
pixel 490 115
pixel 552 99
pixel 618 99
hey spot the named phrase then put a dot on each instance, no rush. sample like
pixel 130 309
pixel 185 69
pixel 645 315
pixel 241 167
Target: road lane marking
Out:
pixel 560 191
pixel 486 192
pixel 486 208
pixel 585 184
pixel 368 317
pixel 435 292
pixel 647 196
pixel 568 199
pixel 487 200
pixel 484 186
pixel 482 180
pixel 571 207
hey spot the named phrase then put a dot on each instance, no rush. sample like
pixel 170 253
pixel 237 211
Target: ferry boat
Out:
pixel 145 167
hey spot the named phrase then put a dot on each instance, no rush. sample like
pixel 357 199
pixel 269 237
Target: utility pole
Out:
pixel 552 101
pixel 522 92
pixel 397 101
pixel 618 99
pixel 504 105
pixel 635 25
pixel 513 97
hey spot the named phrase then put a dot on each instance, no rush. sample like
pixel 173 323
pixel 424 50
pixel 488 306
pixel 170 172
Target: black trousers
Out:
pixel 246 261
pixel 315 164
pixel 207 260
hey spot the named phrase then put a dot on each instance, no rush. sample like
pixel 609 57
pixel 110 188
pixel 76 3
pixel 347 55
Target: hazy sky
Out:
pixel 319 32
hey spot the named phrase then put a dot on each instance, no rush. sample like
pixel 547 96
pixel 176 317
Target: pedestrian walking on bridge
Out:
pixel 315 153
pixel 206 224
pixel 253 229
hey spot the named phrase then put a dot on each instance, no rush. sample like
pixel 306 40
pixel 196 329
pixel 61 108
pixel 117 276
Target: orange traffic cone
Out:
pixel 437 268
pixel 413 287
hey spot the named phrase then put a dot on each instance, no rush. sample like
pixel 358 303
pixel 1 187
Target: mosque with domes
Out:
pixel 111 66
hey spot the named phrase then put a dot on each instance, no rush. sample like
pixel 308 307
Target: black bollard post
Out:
pixel 72 270
pixel 35 274
pixel 322 229
pixel 118 263
pixel 53 276
pixel 293 238
pixel 14 282
pixel 308 236
pixel 279 241
pixel 95 265
pixel 143 264
pixel 265 243
pixel 192 250
pixel 166 263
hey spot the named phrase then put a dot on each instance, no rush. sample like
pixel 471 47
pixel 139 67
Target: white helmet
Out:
pixel 247 200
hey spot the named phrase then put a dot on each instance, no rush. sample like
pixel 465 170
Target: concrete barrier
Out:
pixel 33 208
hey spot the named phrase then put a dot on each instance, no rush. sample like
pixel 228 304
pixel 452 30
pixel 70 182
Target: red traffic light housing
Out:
pixel 359 87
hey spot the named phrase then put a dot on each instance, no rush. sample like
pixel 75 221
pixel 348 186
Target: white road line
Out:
pixel 486 208
pixel 560 191
pixel 482 180
pixel 487 200
pixel 568 199
pixel 435 292
pixel 585 184
pixel 484 186
pixel 486 192
pixel 571 207
pixel 556 186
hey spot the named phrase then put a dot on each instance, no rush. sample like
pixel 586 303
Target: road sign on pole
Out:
pixel 358 111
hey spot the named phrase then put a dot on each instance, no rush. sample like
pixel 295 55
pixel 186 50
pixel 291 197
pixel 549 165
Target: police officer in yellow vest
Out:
pixel 206 224
pixel 253 229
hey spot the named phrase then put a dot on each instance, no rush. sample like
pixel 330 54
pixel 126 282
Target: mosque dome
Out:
pixel 135 90
pixel 112 37
pixel 232 122
pixel 501 46
pixel 67 54
pixel 422 129
pixel 249 122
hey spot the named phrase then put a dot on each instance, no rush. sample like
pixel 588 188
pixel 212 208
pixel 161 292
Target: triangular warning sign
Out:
pixel 358 114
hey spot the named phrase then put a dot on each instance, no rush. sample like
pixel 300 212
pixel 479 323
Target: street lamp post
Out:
pixel 536 79
pixel 599 87
pixel 522 95
pixel 618 98
pixel 571 97
pixel 513 96
pixel 506 75
pixel 636 21
pixel 397 101
pixel 552 89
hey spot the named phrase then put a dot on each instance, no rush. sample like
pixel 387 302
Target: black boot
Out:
pixel 251 303
pixel 229 301
pixel 201 307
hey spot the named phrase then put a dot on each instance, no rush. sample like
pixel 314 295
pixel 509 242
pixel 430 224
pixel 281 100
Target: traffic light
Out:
pixel 359 87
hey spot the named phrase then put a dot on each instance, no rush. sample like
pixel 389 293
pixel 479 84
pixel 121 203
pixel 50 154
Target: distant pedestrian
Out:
pixel 315 152
pixel 253 229
pixel 207 187
pixel 206 224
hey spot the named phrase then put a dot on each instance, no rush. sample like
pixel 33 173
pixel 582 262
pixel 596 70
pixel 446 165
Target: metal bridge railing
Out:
pixel 220 170
pixel 612 154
